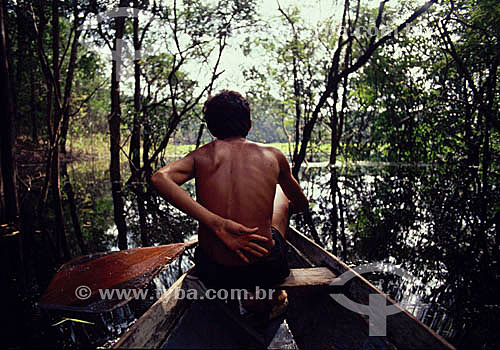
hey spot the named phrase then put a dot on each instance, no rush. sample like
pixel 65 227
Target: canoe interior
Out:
pixel 313 319
pixel 404 331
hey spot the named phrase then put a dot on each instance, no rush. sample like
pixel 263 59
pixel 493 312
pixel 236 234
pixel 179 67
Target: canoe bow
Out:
pixel 77 284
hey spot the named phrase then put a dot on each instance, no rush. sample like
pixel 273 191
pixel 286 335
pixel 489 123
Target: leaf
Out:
pixel 73 320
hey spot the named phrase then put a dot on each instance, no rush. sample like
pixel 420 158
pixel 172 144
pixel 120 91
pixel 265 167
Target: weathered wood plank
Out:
pixel 154 325
pixel 308 277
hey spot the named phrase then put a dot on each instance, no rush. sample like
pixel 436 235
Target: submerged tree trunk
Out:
pixel 7 110
pixel 68 189
pixel 337 126
pixel 62 242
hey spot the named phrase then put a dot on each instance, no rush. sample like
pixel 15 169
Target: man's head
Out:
pixel 227 114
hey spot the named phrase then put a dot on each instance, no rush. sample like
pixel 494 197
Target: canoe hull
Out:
pixel 314 318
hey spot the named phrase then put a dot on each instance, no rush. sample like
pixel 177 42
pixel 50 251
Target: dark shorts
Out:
pixel 265 273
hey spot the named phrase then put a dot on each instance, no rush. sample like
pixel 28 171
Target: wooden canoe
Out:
pixel 314 320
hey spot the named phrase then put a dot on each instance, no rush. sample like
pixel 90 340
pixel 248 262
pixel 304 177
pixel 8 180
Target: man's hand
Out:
pixel 238 237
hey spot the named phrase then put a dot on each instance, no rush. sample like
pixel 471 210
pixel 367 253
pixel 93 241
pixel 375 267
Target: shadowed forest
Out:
pixel 388 112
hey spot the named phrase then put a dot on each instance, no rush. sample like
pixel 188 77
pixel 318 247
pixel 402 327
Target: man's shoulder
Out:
pixel 218 147
pixel 273 152
pixel 267 147
pixel 202 149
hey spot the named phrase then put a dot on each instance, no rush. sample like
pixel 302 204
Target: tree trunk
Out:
pixel 114 131
pixel 64 133
pixel 7 110
pixel 33 108
pixel 39 31
pixel 62 242
pixel 135 141
pixel 2 202
pixel 20 71
pixel 337 125
pixel 343 238
pixel 334 218
pixel 200 134
pixel 56 164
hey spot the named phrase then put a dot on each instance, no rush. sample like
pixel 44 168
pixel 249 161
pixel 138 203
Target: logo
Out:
pixel 83 292
pixel 121 46
pixel 377 309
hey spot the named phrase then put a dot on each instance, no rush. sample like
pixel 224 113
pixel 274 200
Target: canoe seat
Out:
pixel 309 277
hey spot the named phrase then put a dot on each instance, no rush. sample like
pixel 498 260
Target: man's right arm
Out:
pixel 290 186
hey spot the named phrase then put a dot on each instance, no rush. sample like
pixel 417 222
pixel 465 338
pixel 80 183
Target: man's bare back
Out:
pixel 236 182
pixel 236 179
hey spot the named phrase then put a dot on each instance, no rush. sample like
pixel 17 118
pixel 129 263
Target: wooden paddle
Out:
pixel 77 284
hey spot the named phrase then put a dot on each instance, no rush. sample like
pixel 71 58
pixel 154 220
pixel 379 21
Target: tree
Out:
pixel 8 144
pixel 327 95
pixel 59 95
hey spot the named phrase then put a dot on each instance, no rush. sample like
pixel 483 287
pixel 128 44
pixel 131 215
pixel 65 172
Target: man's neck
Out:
pixel 234 138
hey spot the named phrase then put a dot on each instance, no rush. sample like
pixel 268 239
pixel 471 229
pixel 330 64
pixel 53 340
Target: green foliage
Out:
pixel 287 87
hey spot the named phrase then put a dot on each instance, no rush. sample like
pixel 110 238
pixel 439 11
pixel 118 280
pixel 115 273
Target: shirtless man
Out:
pixel 245 192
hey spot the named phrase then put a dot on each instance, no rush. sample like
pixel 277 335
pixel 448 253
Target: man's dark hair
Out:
pixel 227 114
